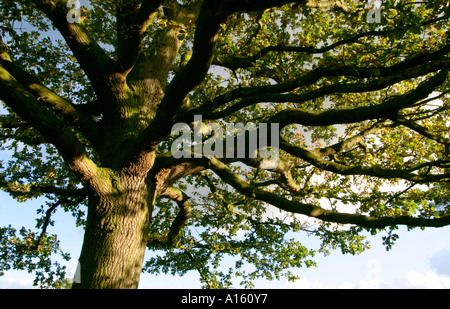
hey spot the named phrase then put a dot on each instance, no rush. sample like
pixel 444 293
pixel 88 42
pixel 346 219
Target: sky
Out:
pixel 419 259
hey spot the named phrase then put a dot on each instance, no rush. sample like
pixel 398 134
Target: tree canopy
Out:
pixel 358 91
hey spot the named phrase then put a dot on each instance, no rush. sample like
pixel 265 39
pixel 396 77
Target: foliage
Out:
pixel 28 252
pixel 363 108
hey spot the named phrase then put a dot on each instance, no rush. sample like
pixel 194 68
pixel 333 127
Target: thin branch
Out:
pixel 199 269
pixel 234 63
pixel 316 159
pixel 182 217
pixel 379 78
pixel 48 214
pixel 349 142
pixel 422 130
pixel 398 194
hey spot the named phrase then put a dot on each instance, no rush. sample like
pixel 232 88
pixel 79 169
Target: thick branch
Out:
pixel 92 58
pixel 36 190
pixel 60 106
pixel 52 128
pixel 315 211
pixel 182 217
pixel 379 78
pixel 60 191
pixel 193 73
pixel 334 4
pixel 386 110
pixel 8 123
pixel 29 109
pixel 212 14
pixel 132 22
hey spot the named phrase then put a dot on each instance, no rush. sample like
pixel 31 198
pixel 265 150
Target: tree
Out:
pixel 91 96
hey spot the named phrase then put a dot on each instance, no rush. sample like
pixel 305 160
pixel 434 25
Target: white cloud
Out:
pixel 16 283
pixel 409 280
pixel 374 284
pixel 345 285
pixel 416 280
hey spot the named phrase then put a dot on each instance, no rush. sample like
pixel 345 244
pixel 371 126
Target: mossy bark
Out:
pixel 116 234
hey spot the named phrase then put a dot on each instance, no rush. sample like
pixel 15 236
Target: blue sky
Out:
pixel 420 259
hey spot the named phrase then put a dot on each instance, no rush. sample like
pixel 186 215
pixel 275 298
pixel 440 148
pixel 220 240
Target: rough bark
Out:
pixel 117 228
pixel 114 242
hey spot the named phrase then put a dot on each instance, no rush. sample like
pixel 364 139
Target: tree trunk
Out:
pixel 116 234
pixel 122 196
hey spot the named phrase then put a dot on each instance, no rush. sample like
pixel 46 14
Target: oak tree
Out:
pixel 91 93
